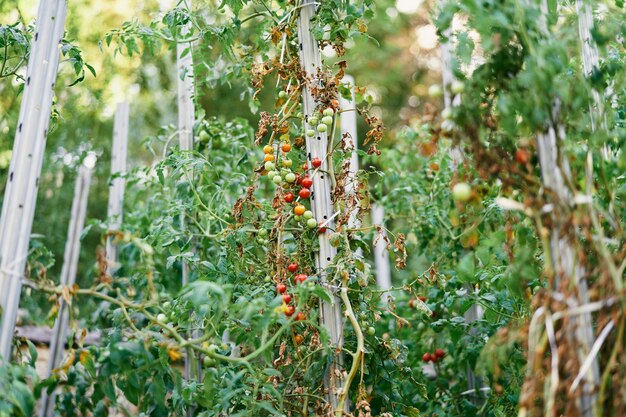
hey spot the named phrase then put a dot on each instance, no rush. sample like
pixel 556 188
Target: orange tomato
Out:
pixel 268 149
pixel 268 157
pixel 299 210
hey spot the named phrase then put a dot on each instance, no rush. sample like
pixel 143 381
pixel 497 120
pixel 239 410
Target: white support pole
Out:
pixel 349 136
pixel 331 316
pixel 186 118
pixel 475 312
pixel 116 187
pixel 381 255
pixel 18 207
pixel 68 278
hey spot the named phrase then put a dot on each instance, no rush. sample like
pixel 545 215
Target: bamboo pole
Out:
pixel 18 207
pixel 116 187
pixel 68 278
pixel 321 198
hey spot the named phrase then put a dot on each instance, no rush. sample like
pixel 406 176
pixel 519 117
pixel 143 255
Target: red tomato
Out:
pixel 316 162
pixel 298 179
pixel 304 193
pixel 305 167
pixel 292 267
pixel 440 353
pixel 300 278
pixel 522 156
pixel 289 311
pixel 427 357
pixel 286 298
pixel 281 288
pixel 289 197
pixel 422 298
pixel 322 229
pixel 300 316
pixel 307 182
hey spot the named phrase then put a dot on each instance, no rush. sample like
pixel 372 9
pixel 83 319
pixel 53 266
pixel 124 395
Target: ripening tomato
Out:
pixel 281 288
pixel 304 193
pixel 300 316
pixel 286 298
pixel 305 167
pixel 268 149
pixel 269 157
pixel 299 339
pixel 426 357
pixel 289 197
pixel 289 310
pixel 316 162
pixel 292 267
pixel 300 278
pixel 285 147
pixel 522 156
pixel 299 210
pixel 307 182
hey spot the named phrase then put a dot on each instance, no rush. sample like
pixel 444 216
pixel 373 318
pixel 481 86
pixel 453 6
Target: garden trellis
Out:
pixel 20 195
pixel 68 278
pixel 116 187
pixel 321 201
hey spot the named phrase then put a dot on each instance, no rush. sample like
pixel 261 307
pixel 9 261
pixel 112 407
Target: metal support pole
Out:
pixel 350 138
pixel 381 256
pixel 68 278
pixel 331 316
pixel 18 207
pixel 116 187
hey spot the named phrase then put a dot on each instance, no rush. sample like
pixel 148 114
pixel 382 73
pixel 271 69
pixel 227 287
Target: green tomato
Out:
pixel 267 278
pixel 310 133
pixel 290 178
pixel 297 218
pixel 262 232
pixel 461 191
pixel 335 239
pixel 328 112
pixel 161 318
pixel 311 223
pixel 446 114
pixel 283 95
pixel 313 121
pixel 327 120
pixel 322 128
pixel 260 240
pixel 204 136
pixel 435 91
pixel 269 166
pixel 371 331
pixel 208 361
pixel 277 179
pixel 457 87
pixel 286 162
pixel 308 214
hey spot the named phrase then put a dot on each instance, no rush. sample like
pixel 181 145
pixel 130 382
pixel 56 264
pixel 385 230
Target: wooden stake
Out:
pixel 18 207
pixel 321 199
pixel 68 278
pixel 116 188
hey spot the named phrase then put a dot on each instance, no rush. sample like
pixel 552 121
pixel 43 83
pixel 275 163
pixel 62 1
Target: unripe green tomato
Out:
pixel 308 214
pixel 269 166
pixel 291 177
pixel 435 91
pixel 262 232
pixel 260 240
pixel 313 121
pixel 204 136
pixel 167 305
pixel 283 94
pixel 208 361
pixel 310 133
pixel 271 174
pixel 461 191
pixel 371 331
pixel 311 223
pixel 212 348
pixel 267 279
pixel 286 162
pixel 161 318
pixel 277 179
pixel 327 120
pixel 328 112
pixel 300 115
pixel 457 87
pixel 297 218
pixel 322 128
pixel 446 114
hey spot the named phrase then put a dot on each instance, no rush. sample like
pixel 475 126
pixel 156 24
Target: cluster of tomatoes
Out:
pixel 434 357
pixel 281 288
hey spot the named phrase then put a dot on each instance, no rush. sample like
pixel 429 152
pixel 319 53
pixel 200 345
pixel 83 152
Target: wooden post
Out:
pixel 18 207
pixel 116 187
pixel 68 278
pixel 331 316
